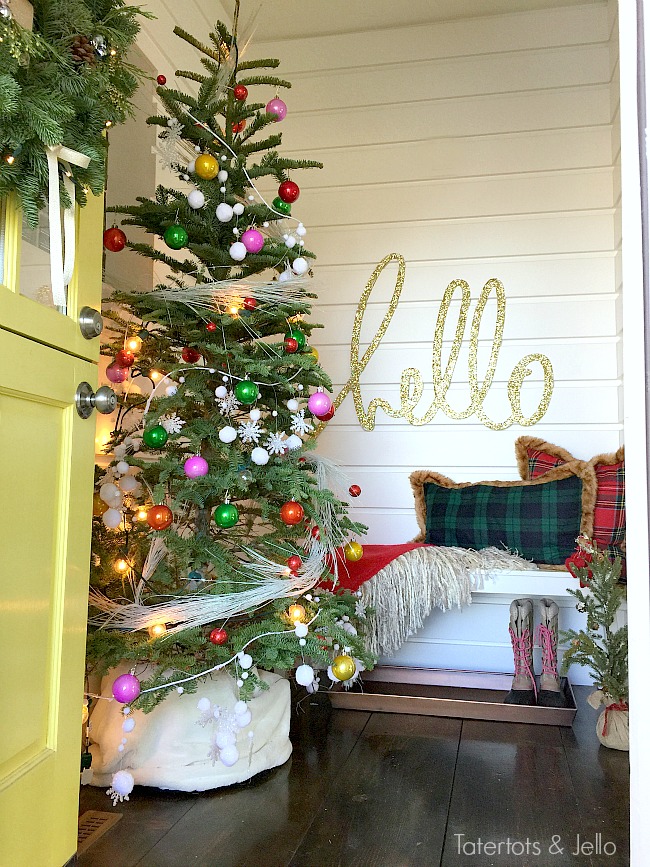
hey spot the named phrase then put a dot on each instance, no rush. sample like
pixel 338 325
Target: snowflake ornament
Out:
pixel 229 403
pixel 299 424
pixel 169 144
pixel 250 432
pixel 360 608
pixel 275 444
pixel 172 424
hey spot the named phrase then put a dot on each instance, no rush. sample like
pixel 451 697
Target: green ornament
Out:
pixel 175 236
pixel 282 207
pixel 155 437
pixel 226 516
pixel 246 391
pixel 298 336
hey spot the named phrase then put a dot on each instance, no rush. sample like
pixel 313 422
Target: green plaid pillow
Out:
pixel 540 520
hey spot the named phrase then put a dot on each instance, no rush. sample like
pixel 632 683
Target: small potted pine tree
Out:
pixel 602 647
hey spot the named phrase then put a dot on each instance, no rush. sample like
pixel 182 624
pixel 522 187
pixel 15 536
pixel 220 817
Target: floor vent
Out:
pixel 92 825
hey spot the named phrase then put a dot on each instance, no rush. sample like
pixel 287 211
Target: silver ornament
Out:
pixel 5 11
pixel 99 44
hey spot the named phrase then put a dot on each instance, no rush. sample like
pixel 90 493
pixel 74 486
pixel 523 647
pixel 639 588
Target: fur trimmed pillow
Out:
pixel 535 457
pixel 539 519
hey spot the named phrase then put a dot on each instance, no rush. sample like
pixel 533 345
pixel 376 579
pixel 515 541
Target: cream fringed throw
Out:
pixel 405 591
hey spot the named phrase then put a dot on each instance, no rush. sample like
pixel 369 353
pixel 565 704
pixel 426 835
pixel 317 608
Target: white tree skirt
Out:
pixel 169 749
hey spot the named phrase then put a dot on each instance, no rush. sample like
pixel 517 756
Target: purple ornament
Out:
pixel 277 107
pixel 115 373
pixel 195 466
pixel 126 688
pixel 252 240
pixel 319 403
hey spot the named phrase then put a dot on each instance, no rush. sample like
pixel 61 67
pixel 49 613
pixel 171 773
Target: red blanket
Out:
pixel 375 557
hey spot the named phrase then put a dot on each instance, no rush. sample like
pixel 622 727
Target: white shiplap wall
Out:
pixel 476 148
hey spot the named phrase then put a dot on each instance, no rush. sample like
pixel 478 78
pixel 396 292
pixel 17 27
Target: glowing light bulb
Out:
pixel 113 52
pixel 11 159
pixel 122 565
pixel 157 630
pixel 108 123
pixel 134 344
pixel 296 612
pixel 140 515
pixel 155 375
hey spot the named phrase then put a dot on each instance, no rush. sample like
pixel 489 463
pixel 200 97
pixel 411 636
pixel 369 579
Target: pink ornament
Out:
pixel 195 467
pixel 115 373
pixel 252 240
pixel 319 403
pixel 126 688
pixel 277 107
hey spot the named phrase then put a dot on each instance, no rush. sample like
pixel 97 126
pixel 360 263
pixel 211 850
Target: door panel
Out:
pixel 46 460
pixel 27 310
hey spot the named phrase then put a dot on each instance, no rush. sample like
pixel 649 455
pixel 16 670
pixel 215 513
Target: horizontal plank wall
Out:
pixel 476 148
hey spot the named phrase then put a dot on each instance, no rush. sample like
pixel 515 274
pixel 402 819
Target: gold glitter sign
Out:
pixel 411 382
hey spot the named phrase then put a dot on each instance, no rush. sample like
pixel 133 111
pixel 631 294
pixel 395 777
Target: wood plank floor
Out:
pixel 386 790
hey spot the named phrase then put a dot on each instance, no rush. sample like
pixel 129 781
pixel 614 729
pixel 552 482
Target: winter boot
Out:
pixel 550 692
pixel 523 690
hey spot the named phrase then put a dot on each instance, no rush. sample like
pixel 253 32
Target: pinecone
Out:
pixel 82 50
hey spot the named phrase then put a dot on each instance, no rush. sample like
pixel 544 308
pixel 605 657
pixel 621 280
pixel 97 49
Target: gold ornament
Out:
pixel 296 613
pixel 411 383
pixel 314 353
pixel 343 667
pixel 353 551
pixel 206 167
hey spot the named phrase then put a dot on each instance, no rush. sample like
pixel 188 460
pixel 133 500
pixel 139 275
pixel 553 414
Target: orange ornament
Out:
pixel 292 512
pixel 159 517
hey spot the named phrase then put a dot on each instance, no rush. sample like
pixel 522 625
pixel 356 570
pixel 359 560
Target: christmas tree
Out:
pixel 217 537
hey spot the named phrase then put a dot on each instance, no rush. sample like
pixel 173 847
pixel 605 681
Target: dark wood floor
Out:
pixel 385 790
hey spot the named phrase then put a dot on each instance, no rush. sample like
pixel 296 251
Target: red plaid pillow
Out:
pixel 535 457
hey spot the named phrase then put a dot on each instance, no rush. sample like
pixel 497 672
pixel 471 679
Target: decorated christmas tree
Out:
pixel 217 535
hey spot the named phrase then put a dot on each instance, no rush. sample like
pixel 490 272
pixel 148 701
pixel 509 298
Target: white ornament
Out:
pixel 299 424
pixel 224 212
pixel 196 199
pixel 304 675
pixel 285 276
pixel 238 251
pixel 191 165
pixel 181 379
pixel 331 675
pixel 301 629
pixel 203 704
pixel 128 725
pixel 240 707
pixel 300 266
pixel 293 405
pixel 300 387
pixel 245 660
pixel 227 434
pixel 301 230
pixel 229 756
pixel 274 413
pixel 222 189
pixel 180 690
pixel 293 442
pixel 290 242
pixel 225 738
pixel 244 719
pixel 302 642
pixel 128 484
pixel 220 391
pixel 249 432
pixel 265 224
pixel 119 451
pixel 349 628
pixel 240 682
pixel 122 467
pixel 197 148
pixel 259 456
pixel 112 518
pixel 212 370
pixel 255 414
pixel 120 748
pixel 108 492
pixel 222 175
pixel 172 423
pixel 238 209
pixel 225 378
pixel 236 232
pixel 229 403
pixel 121 787
pixel 251 198
pixel 276 443
pixel 171 390
pixel 126 710
pixel 244 675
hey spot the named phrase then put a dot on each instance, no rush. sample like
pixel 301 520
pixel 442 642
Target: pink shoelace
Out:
pixel 522 649
pixel 545 638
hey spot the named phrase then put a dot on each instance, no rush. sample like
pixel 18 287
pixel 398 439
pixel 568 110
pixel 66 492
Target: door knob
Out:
pixel 90 322
pixel 104 400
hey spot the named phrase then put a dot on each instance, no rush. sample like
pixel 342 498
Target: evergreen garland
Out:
pixel 64 83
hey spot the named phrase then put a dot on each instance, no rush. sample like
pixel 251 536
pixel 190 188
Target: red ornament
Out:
pixel 354 490
pixel 292 512
pixel 290 345
pixel 328 415
pixel 250 303
pixel 211 326
pixel 124 358
pixel 114 239
pixel 161 79
pixel 238 127
pixel 190 354
pixel 315 532
pixel 218 636
pixel 240 92
pixel 288 191
pixel 159 517
pixel 294 562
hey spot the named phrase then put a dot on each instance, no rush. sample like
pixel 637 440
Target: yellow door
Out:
pixel 46 470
